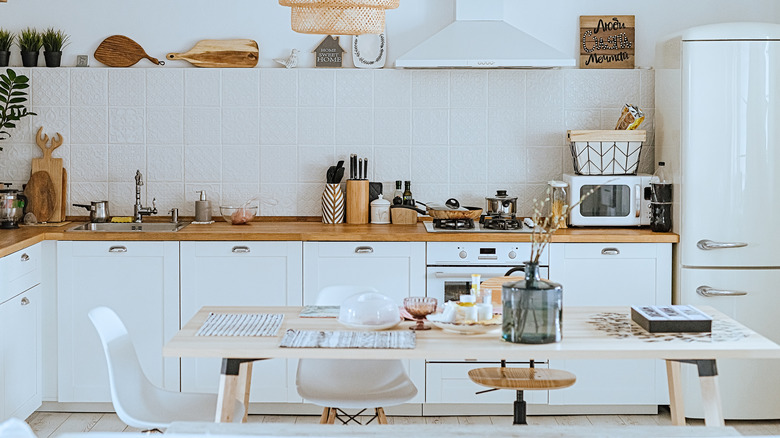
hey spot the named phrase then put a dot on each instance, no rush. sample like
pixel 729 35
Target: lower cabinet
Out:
pixel 240 274
pixel 140 282
pixel 20 355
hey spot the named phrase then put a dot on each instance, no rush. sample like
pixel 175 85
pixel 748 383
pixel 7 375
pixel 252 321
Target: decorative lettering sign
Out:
pixel 328 53
pixel 607 41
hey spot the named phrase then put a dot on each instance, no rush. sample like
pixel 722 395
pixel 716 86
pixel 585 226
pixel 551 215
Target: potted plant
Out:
pixel 29 41
pixel 6 39
pixel 12 99
pixel 53 42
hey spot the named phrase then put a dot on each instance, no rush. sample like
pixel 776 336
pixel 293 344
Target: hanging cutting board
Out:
pixel 52 166
pixel 41 197
pixel 220 54
pixel 121 51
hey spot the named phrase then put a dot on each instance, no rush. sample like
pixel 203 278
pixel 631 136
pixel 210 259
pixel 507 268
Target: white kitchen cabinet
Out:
pixel 140 282
pixel 612 274
pixel 241 274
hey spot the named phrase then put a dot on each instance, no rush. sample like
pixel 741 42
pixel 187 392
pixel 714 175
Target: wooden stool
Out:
pixel 521 379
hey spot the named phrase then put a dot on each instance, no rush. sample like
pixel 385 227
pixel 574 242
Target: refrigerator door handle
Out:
pixel 707 291
pixel 709 244
pixel 638 197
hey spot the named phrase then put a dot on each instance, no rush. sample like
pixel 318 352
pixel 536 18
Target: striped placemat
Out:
pixel 241 324
pixel 348 339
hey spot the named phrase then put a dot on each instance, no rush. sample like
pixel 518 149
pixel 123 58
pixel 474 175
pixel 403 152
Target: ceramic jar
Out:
pixel 380 210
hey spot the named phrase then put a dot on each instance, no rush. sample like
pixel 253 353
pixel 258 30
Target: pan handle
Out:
pixel 88 207
pixel 410 207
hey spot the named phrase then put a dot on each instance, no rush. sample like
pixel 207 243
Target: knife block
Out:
pixel 357 201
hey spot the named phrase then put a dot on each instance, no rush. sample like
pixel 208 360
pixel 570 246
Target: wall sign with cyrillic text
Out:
pixel 607 41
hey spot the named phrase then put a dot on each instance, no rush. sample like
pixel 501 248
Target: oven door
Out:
pixel 447 283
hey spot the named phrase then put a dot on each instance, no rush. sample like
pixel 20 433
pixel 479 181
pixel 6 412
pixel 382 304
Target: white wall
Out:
pixel 163 26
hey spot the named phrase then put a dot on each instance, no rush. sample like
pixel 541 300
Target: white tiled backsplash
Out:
pixel 239 132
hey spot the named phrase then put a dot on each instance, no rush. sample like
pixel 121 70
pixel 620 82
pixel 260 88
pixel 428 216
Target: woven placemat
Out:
pixel 348 339
pixel 241 324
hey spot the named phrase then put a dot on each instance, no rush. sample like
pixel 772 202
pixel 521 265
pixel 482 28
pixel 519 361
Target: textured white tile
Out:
pixel 88 87
pixel 647 160
pixel 89 125
pixel 202 164
pixel 166 195
pixel 567 163
pixel 164 125
pixel 126 87
pixel 316 88
pixel 165 163
pixel 126 125
pixel 202 87
pixel 582 119
pixel 53 119
pixel 310 199
pixel 392 88
pixel 545 127
pixel 278 126
pixel 213 195
pixel 392 126
pixel 506 88
pixel 313 163
pixel 201 126
pixel 533 195
pixel 649 125
pixel 85 192
pixel 239 194
pixel 468 126
pixel 468 89
pixel 124 160
pixel 88 163
pixel 316 126
pixel 241 126
pixel 431 192
pixel 354 88
pixel 601 88
pixel 165 87
pixel 544 164
pixel 646 89
pixel 471 195
pixel 392 163
pixel 240 87
pixel 468 164
pixel 23 132
pixel 544 89
pixel 506 164
pixel 430 126
pixel 506 126
pixel 354 126
pixel 50 87
pixel 279 87
pixel 278 164
pixel 284 198
pixel 430 88
pixel 241 164
pixel 430 164
pixel 343 153
pixel 15 162
pixel 121 198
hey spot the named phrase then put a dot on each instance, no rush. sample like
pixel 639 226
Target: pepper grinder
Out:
pixel 202 208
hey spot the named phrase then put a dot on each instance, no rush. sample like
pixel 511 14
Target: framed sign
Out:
pixel 607 41
pixel 328 53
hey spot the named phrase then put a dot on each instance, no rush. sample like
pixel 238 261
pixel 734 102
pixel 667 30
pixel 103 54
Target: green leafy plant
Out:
pixel 54 40
pixel 12 99
pixel 6 40
pixel 29 40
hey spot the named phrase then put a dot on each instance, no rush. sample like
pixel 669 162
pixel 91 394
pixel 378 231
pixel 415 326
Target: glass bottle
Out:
pixel 407 196
pixel 558 201
pixel 661 200
pixel 398 195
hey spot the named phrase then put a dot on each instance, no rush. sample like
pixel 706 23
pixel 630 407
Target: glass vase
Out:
pixel 532 309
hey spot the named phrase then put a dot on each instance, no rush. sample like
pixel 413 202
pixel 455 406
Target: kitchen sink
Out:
pixel 131 227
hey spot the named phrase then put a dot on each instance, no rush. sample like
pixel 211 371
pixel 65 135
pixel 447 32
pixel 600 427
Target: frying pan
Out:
pixel 437 212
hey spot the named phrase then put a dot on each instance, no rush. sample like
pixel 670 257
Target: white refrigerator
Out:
pixel 719 123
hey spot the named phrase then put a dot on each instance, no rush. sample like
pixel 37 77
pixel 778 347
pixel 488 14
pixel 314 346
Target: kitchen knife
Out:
pixel 360 168
pixel 365 168
pixel 352 166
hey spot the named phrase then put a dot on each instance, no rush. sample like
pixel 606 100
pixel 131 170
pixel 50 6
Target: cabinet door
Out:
pixel 140 282
pixel 240 274
pixel 613 274
pixel 20 339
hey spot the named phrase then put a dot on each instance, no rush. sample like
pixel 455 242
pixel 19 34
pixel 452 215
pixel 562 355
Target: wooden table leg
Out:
pixel 710 391
pixel 676 403
pixel 242 387
pixel 229 383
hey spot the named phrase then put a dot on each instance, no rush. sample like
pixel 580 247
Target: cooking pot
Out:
pixel 12 203
pixel 98 211
pixel 501 204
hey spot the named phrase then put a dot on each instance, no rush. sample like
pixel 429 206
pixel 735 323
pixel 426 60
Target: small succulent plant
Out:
pixel 6 40
pixel 29 40
pixel 54 40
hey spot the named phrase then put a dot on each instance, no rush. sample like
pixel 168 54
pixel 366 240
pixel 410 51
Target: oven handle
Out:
pixel 467 276
pixel 638 193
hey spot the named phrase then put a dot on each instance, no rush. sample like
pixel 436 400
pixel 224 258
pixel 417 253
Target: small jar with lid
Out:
pixel 559 202
pixel 380 210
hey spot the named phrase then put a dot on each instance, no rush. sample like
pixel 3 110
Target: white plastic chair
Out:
pixel 137 401
pixel 351 384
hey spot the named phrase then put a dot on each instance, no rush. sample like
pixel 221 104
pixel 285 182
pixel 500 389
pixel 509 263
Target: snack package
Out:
pixel 630 118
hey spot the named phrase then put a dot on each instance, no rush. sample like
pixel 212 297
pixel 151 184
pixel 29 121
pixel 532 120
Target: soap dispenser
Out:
pixel 202 208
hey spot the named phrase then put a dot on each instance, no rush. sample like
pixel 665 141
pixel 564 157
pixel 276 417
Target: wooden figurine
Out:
pixel 329 52
pixel 607 41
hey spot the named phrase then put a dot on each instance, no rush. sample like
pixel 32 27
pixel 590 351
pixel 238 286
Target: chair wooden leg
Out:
pixel 380 416
pixel 324 416
pixel 332 416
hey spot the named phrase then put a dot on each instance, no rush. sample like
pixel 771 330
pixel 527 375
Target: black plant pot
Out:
pixel 4 56
pixel 30 59
pixel 52 58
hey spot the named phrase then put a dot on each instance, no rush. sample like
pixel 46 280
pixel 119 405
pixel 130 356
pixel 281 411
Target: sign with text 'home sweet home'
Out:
pixel 607 41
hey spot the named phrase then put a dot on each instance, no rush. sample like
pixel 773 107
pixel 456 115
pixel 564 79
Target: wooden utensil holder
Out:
pixel 403 216
pixel 357 201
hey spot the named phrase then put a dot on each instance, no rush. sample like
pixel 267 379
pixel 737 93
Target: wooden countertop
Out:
pixel 14 240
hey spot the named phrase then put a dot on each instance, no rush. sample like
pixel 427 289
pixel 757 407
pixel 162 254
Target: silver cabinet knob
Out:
pixel 117 249
pixel 241 249
pixel 25 257
pixel 610 251
pixel 707 291
pixel 25 301
pixel 364 250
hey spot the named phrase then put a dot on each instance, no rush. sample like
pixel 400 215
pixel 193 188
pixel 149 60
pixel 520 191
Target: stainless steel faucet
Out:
pixel 139 211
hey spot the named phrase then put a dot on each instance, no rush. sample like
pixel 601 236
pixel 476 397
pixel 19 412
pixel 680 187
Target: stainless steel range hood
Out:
pixel 480 38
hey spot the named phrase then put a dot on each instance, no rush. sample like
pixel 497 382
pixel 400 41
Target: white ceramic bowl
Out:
pixel 369 310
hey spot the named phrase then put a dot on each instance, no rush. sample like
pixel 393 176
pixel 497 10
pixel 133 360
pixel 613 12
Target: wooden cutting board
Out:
pixel 53 167
pixel 221 54
pixel 64 198
pixel 41 197
pixel 121 51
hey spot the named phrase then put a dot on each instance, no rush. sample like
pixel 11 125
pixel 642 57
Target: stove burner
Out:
pixel 501 223
pixel 453 224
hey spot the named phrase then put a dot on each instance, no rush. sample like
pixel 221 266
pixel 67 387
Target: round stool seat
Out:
pixel 522 379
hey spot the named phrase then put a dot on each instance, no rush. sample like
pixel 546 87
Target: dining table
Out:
pixel 587 333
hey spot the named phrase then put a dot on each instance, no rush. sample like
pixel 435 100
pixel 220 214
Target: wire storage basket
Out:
pixel 339 17
pixel 607 152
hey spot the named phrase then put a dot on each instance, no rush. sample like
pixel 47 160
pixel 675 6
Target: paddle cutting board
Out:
pixel 52 166
pixel 121 51
pixel 41 196
pixel 220 54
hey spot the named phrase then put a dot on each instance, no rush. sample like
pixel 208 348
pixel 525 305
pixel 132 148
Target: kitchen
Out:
pixel 236 132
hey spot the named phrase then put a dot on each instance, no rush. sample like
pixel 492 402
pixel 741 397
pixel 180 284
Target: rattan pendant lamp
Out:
pixel 339 17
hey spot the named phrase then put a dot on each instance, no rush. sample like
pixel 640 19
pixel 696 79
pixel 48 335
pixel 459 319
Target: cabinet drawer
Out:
pixel 360 249
pixel 118 248
pixel 20 271
pixel 609 250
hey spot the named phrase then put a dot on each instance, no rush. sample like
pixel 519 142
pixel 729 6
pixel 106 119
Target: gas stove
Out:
pixel 486 224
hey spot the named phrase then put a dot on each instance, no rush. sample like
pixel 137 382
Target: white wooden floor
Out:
pixel 53 424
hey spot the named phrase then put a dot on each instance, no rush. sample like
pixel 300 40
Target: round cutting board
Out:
pixel 41 196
